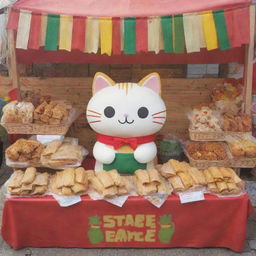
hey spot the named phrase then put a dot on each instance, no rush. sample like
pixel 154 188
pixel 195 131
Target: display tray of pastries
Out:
pixel 24 153
pixel 110 183
pixel 28 182
pixel 217 180
pixel 150 182
pixel 71 181
pixel 48 117
pixel 204 154
pixel 63 153
pixel 243 150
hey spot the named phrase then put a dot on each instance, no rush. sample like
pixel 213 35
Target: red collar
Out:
pixel 117 142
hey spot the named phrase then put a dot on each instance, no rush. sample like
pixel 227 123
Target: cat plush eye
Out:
pixel 143 112
pixel 109 112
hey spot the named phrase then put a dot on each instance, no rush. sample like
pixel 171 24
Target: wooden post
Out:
pixel 248 64
pixel 12 67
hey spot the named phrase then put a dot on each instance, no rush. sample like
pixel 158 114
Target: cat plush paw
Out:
pixel 145 152
pixel 103 153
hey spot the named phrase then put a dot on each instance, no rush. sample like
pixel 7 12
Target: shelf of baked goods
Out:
pixel 154 184
pixel 222 117
pixel 59 153
pixel 44 117
pixel 236 151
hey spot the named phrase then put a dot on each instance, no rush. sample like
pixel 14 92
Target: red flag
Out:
pixel 13 20
pixel 229 23
pixel 78 34
pixel 141 35
pixel 34 37
pixel 116 34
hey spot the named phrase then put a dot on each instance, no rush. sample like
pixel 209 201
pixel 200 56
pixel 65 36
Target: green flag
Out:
pixel 221 27
pixel 130 35
pixel 52 32
pixel 167 33
pixel 179 39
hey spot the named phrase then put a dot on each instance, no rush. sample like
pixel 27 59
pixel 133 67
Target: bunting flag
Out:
pixel 154 26
pixel 52 32
pixel 23 30
pixel 192 34
pixel 166 22
pixel 35 32
pixel 179 43
pixel 210 33
pixel 44 19
pixel 66 27
pixel 92 35
pixel 179 33
pixel 106 35
pixel 78 33
pixel 221 28
pixel 116 32
pixel 141 35
pixel 129 35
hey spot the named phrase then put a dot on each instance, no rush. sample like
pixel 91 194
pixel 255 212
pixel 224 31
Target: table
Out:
pixel 41 222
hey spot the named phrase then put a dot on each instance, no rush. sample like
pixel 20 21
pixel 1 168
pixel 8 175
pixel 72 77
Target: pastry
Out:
pixel 29 175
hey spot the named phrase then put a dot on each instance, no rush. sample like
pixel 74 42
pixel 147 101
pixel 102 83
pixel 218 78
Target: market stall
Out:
pixel 128 32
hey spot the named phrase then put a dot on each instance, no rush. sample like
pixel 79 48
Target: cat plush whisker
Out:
pixel 94 112
pixel 158 122
pixel 94 122
pixel 159 117
pixel 158 112
pixel 93 116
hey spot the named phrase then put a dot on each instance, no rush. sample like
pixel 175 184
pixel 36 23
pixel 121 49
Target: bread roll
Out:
pixel 116 177
pixel 41 179
pixel 29 175
pixel 222 186
pixel 216 173
pixel 176 183
pixel 186 179
pixel 110 191
pixel 39 190
pixel 105 178
pixel 167 170
pixel 212 187
pixel 68 177
pixel 15 181
pixel 208 176
pixel 97 185
pixel 142 176
pixel 66 191
pixel 79 188
pixel 154 176
pixel 80 176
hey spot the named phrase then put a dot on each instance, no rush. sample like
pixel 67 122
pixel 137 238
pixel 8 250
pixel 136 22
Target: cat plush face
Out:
pixel 126 109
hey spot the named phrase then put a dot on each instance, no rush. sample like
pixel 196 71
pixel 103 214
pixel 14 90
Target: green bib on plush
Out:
pixel 125 164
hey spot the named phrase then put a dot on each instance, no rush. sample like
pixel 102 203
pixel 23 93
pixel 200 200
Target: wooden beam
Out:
pixel 12 67
pixel 248 64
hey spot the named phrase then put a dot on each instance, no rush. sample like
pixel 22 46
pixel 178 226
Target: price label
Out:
pixel 65 201
pixel 192 196
pixel 46 139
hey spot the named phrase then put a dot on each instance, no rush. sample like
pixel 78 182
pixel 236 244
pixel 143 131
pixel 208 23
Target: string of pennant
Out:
pixel 223 29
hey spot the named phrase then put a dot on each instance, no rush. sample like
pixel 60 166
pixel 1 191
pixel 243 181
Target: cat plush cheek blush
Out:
pixel 125 117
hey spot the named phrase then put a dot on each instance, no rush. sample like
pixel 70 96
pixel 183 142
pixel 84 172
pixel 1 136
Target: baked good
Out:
pixel 28 182
pixel 52 112
pixel 18 112
pixel 25 151
pixel 237 123
pixel 206 150
pixel 71 181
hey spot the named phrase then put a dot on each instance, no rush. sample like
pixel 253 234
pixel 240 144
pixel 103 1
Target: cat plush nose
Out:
pixel 125 115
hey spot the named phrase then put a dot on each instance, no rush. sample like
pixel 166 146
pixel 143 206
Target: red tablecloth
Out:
pixel 41 222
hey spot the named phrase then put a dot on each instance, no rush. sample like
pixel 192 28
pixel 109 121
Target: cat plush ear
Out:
pixel 100 82
pixel 151 81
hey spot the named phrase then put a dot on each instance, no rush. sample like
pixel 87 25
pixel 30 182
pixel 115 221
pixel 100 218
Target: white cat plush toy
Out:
pixel 126 117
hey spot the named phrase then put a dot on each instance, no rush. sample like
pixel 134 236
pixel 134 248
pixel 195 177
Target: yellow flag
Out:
pixel 92 35
pixel 106 35
pixel 210 33
pixel 66 26
pixel 43 29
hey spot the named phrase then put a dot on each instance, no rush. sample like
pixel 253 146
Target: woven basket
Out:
pixel 206 136
pixel 243 162
pixel 213 136
pixel 203 164
pixel 40 129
